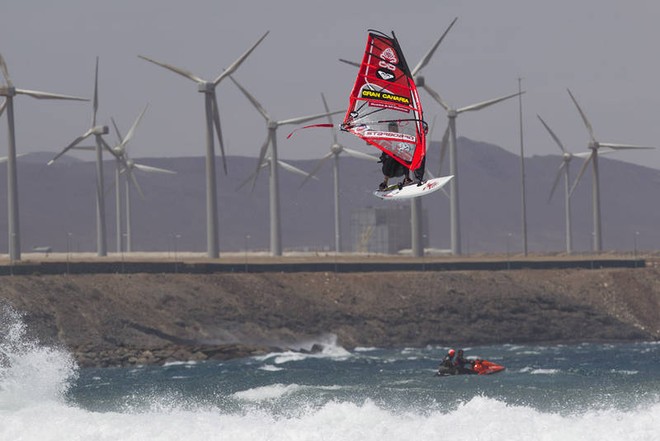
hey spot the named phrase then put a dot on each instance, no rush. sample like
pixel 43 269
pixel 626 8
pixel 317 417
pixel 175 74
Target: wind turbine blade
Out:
pixel 352 63
pixel 262 152
pixel 292 169
pixel 95 104
pixel 303 119
pixel 49 96
pixel 75 142
pixel 586 154
pixel 175 69
pixel 327 110
pixel 584 117
pixel 106 146
pixel 232 68
pixel 252 99
pixel 424 61
pixel 117 132
pixel 248 179
pixel 436 96
pixel 562 166
pixel 624 146
pixel 252 177
pixel 552 134
pixel 5 71
pixel 131 131
pixel 316 168
pixel 218 130
pixel 358 154
pixel 2 107
pixel 443 147
pixel 484 104
pixel 579 176
pixel 135 183
pixel 150 169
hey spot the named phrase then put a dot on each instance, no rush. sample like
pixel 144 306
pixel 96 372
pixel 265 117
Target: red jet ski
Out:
pixel 485 367
pixel 479 367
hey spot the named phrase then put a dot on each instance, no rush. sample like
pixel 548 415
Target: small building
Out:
pixel 384 230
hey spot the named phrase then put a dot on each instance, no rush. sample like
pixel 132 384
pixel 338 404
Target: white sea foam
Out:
pixel 328 343
pixel 270 392
pixel 30 373
pixel 180 363
pixel 270 368
pixel 624 372
pixel 539 371
pixel 480 418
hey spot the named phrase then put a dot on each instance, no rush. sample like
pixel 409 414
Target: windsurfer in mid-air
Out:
pixel 393 169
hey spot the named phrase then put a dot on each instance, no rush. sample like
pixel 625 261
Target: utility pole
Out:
pixel 522 170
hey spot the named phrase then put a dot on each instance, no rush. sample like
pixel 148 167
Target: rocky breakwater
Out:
pixel 124 319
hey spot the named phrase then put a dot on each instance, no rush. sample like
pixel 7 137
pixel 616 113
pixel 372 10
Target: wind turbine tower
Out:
pixel 9 92
pixel 212 120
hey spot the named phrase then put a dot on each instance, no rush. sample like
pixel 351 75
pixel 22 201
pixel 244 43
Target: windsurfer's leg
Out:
pixel 406 177
pixel 419 172
pixel 383 185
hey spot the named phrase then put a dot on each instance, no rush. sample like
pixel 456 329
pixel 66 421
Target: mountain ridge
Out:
pixel 57 206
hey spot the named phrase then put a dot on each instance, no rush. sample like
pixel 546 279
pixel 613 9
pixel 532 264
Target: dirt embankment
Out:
pixel 143 318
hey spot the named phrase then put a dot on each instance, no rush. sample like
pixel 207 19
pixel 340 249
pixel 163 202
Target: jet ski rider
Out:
pixel 447 363
pixel 461 364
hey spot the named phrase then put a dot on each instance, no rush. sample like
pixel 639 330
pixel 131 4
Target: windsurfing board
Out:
pixel 413 190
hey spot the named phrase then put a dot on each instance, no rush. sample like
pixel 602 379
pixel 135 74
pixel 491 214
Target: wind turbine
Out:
pixel 271 141
pixel 450 135
pixel 212 120
pixel 9 92
pixel 336 149
pixel 98 132
pixel 564 168
pixel 594 146
pixel 126 165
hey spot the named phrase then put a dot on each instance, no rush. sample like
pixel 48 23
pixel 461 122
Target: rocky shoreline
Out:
pixel 139 319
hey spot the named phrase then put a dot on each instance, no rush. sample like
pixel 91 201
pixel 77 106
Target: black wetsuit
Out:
pixel 463 365
pixel 393 169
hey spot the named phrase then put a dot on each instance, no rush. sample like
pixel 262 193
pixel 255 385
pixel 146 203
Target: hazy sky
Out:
pixel 605 51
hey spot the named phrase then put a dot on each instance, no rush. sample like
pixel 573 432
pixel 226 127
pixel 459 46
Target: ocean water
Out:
pixel 559 392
